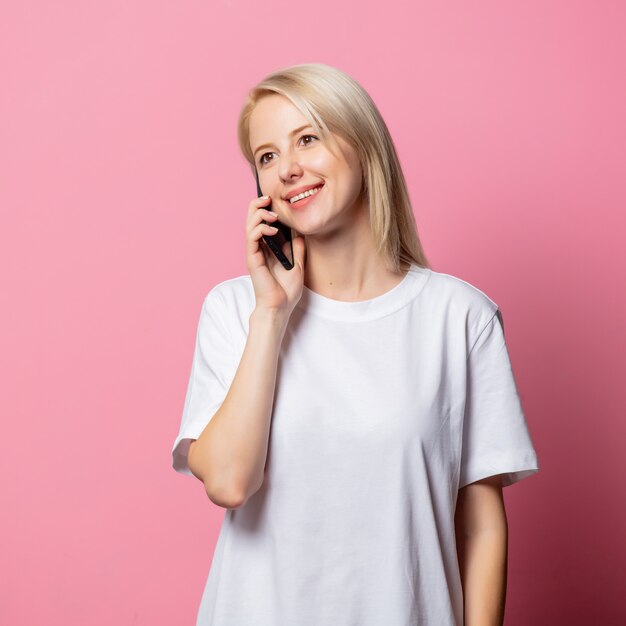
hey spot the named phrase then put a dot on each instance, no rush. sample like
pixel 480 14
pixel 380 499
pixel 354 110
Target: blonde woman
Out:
pixel 356 415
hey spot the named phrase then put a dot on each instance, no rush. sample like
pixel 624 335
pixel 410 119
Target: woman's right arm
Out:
pixel 230 454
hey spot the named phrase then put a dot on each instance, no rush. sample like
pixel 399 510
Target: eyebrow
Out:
pixel 291 134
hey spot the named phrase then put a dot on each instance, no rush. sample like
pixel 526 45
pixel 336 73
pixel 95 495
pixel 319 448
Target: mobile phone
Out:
pixel 276 243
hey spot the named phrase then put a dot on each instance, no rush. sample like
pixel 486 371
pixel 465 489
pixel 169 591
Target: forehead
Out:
pixel 272 117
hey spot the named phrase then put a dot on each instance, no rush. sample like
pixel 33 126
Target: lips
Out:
pixel 297 192
pixel 307 201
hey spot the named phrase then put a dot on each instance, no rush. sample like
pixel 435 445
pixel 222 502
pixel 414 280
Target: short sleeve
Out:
pixel 212 371
pixel 495 434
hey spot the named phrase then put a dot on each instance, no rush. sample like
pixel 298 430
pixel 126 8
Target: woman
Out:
pixel 356 415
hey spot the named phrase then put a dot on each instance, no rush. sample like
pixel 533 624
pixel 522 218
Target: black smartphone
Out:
pixel 277 243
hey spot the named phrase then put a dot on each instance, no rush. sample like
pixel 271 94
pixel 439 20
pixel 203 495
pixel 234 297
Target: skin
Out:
pixel 482 544
pixel 341 264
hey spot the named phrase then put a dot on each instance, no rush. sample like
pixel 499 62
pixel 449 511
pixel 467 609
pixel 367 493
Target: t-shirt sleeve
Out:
pixel 495 434
pixel 212 371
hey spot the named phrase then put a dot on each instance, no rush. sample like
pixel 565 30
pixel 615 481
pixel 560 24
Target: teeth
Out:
pixel 310 192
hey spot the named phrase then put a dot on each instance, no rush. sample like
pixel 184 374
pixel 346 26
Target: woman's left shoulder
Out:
pixel 461 294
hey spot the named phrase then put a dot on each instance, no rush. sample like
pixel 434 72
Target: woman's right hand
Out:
pixel 275 287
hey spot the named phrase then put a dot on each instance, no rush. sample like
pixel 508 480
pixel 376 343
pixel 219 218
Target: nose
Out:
pixel 289 167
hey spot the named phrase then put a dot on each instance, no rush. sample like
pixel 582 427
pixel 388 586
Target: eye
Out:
pixel 262 160
pixel 314 137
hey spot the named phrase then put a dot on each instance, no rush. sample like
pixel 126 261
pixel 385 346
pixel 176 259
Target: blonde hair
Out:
pixel 333 102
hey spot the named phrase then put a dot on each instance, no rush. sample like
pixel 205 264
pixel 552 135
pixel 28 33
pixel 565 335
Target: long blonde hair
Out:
pixel 333 102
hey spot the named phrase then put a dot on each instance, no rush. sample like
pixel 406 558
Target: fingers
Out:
pixel 255 228
pixel 256 205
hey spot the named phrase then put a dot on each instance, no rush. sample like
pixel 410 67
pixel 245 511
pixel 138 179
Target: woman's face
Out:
pixel 287 161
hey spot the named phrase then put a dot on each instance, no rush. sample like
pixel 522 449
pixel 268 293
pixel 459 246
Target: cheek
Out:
pixel 354 178
pixel 321 164
pixel 351 172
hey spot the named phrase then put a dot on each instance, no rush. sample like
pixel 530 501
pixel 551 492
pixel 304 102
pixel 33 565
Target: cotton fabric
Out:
pixel 383 410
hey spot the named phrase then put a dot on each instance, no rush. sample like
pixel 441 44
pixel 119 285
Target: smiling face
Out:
pixel 287 161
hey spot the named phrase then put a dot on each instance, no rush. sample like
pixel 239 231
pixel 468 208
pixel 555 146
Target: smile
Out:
pixel 306 194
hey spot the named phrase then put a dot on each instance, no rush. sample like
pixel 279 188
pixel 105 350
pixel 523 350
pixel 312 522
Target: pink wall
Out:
pixel 123 198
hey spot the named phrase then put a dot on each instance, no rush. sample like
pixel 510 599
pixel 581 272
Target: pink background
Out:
pixel 123 197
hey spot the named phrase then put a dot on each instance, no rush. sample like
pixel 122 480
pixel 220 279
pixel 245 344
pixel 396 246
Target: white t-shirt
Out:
pixel 383 409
